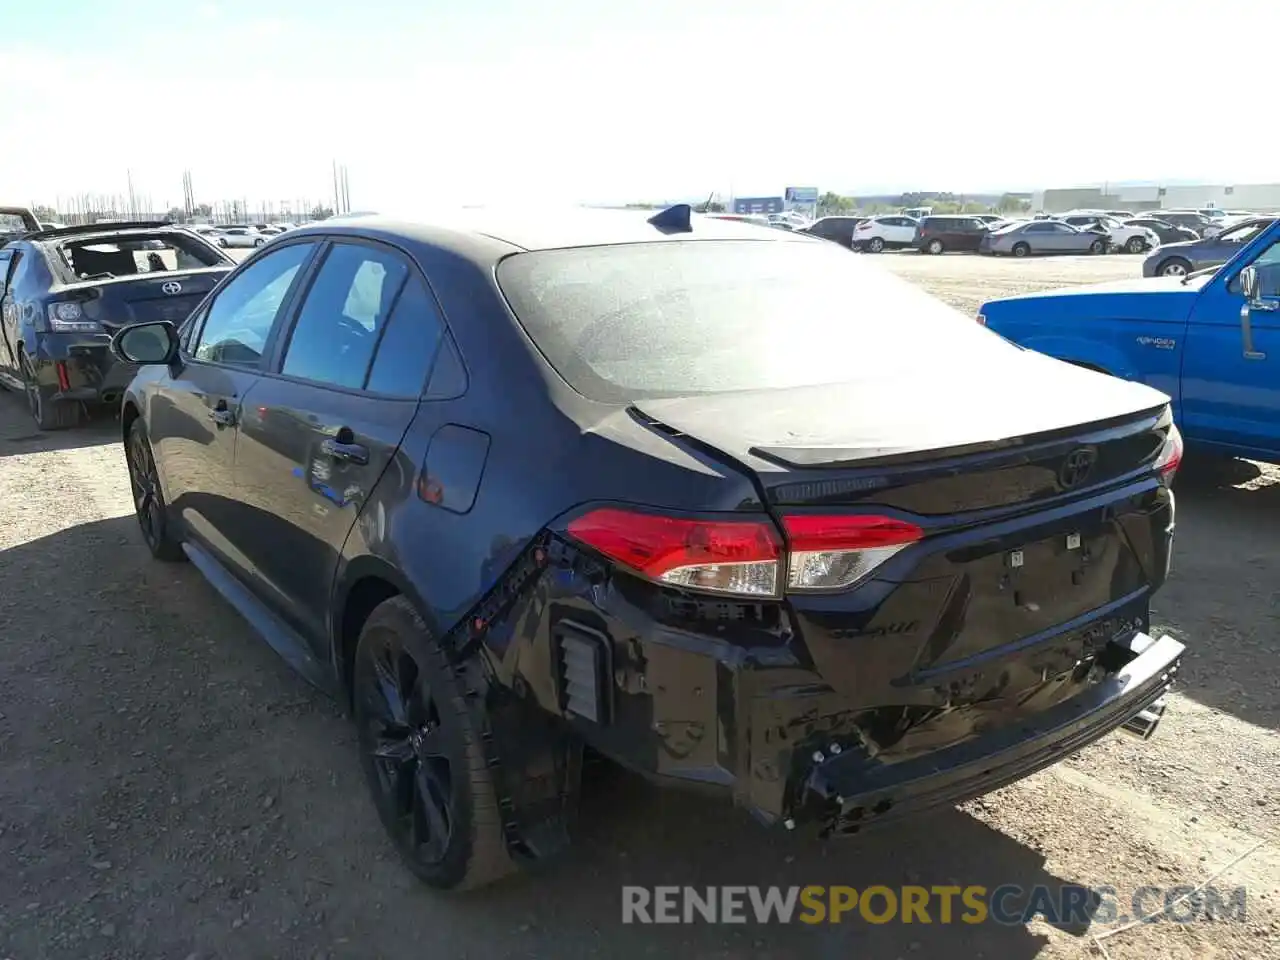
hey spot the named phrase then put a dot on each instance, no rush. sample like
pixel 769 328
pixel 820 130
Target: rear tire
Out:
pixel 935 247
pixel 1173 267
pixel 48 414
pixel 1136 245
pixel 1021 249
pixel 222 242
pixel 422 756
pixel 875 245
pixel 149 504
pixel 258 242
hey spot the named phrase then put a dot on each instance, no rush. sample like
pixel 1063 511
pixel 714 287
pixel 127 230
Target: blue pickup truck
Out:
pixel 1211 341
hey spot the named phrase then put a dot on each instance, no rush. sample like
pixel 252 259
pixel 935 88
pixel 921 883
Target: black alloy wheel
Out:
pixel 421 757
pixel 148 498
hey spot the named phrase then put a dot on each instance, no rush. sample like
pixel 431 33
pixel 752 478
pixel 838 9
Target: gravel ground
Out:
pixel 168 789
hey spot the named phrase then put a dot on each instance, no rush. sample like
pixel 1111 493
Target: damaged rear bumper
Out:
pixel 846 792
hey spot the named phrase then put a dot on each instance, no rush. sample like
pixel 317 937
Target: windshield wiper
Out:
pixel 99 276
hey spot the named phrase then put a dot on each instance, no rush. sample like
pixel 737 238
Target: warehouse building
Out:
pixel 1255 197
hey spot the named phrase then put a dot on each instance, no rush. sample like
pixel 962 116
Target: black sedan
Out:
pixel 1165 232
pixel 673 488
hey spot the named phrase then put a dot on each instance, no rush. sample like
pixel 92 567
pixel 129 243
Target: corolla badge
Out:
pixel 171 288
pixel 1077 467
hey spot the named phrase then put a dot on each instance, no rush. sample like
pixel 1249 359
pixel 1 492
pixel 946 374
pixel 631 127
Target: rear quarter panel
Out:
pixel 549 450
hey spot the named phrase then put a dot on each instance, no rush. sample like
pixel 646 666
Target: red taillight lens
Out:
pixel 834 551
pixel 743 557
pixel 724 556
pixel 1171 456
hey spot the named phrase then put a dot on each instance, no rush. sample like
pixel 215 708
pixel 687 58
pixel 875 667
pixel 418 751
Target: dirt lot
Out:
pixel 168 789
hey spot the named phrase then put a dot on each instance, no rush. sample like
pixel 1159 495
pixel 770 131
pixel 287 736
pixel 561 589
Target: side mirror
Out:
pixel 147 343
pixel 1249 284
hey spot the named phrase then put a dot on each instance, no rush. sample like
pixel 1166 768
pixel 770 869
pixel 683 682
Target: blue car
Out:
pixel 1211 341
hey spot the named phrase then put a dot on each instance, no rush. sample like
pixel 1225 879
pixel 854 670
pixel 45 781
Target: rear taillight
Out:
pixel 1170 456
pixel 744 557
pixel 866 225
pixel 723 556
pixel 830 551
pixel 67 316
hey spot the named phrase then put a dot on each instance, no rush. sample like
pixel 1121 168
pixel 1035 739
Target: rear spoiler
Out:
pixel 112 227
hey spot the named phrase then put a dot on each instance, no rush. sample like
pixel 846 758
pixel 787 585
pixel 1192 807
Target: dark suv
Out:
pixel 512 486
pixel 836 229
pixel 64 292
pixel 942 233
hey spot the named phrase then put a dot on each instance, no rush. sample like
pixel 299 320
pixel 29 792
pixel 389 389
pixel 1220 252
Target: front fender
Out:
pixel 1083 351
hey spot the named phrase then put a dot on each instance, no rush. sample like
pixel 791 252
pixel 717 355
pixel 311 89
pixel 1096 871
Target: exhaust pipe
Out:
pixel 1143 723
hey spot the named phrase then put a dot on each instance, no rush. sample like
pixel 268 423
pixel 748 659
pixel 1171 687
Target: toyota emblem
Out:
pixel 172 287
pixel 1077 467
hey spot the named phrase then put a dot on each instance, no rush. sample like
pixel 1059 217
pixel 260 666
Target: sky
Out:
pixel 472 101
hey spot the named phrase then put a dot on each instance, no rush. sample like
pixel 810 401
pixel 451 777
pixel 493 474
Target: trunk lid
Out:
pixel 1043 531
pixel 122 301
pixel 951 442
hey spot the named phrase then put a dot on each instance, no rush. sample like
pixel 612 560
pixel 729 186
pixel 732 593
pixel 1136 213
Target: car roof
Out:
pixel 529 229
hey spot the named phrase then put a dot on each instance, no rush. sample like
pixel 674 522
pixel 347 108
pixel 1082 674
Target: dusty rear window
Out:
pixel 629 321
pixel 96 258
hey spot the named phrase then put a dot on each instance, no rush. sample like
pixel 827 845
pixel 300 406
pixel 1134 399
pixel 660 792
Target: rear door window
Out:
pixel 341 319
pixel 409 343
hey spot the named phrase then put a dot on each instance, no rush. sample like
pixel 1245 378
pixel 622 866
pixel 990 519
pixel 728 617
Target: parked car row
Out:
pixel 1077 231
pixel 240 235
pixel 976 233
pixel 505 514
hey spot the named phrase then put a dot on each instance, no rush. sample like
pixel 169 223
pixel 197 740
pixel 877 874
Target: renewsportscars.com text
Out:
pixel 1008 904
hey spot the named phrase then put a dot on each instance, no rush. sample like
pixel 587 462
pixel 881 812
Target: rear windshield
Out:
pixel 93 258
pixel 629 321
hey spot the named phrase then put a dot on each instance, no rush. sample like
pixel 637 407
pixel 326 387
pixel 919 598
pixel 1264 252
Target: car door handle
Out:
pixel 222 417
pixel 346 452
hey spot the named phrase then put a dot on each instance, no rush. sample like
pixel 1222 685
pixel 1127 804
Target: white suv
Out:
pixel 890 232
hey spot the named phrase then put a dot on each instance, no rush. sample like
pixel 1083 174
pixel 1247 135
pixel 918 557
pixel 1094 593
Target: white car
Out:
pixel 238 237
pixel 889 232
pixel 1131 239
